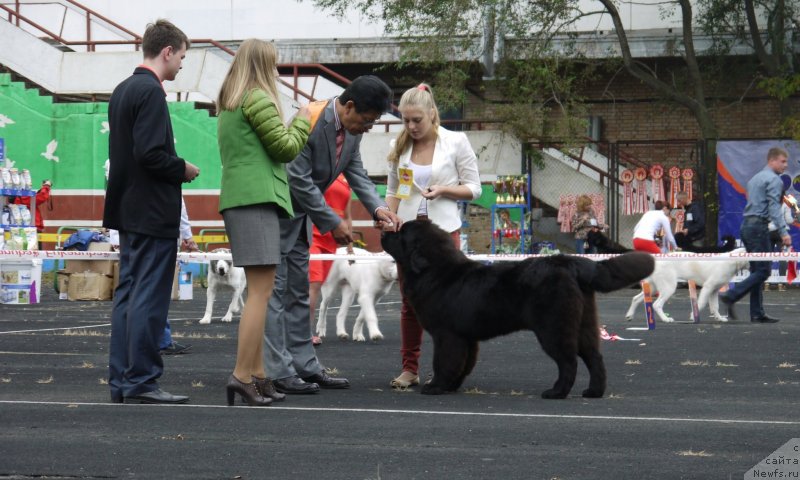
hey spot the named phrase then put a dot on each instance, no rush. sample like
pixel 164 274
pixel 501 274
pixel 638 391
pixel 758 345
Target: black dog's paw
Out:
pixel 554 394
pixel 431 389
pixel 590 393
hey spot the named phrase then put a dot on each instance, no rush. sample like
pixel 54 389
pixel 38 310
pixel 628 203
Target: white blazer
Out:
pixel 454 163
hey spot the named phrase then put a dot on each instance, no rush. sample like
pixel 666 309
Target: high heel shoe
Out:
pixel 248 392
pixel 266 388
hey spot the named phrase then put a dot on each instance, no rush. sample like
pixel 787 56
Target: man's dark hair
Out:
pixel 160 35
pixel 369 94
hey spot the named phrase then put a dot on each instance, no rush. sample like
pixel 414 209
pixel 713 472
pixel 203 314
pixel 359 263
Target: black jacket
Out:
pixel 145 174
pixel 697 225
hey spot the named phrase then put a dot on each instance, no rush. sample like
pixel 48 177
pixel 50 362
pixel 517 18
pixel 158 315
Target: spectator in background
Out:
pixel 764 196
pixel 42 196
pixel 166 345
pixel 694 221
pixel 651 225
pixel 775 239
pixel 337 196
pixel 583 221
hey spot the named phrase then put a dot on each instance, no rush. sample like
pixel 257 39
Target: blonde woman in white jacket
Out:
pixel 430 169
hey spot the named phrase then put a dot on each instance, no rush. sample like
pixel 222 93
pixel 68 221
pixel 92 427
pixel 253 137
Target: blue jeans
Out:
pixel 580 246
pixel 755 236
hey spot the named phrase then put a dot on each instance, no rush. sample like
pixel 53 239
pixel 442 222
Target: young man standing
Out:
pixel 764 197
pixel 143 202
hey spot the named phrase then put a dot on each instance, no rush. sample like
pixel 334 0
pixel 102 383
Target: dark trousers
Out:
pixel 139 314
pixel 755 236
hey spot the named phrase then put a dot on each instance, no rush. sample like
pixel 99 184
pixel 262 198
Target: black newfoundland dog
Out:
pixel 460 302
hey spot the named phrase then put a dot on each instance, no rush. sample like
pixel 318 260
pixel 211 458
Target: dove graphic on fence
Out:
pixel 105 128
pixel 51 149
pixel 4 120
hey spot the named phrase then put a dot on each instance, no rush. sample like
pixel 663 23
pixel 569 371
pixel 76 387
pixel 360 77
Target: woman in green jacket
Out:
pixel 254 144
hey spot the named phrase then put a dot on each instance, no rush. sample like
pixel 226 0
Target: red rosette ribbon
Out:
pixel 627 192
pixel 674 185
pixel 656 178
pixel 688 175
pixel 641 190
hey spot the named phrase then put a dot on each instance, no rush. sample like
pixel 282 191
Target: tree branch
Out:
pixel 761 52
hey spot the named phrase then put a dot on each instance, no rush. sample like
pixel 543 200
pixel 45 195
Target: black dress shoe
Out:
pixel 730 304
pixel 326 381
pixel 294 385
pixel 764 319
pixel 116 399
pixel 156 396
pixel 175 348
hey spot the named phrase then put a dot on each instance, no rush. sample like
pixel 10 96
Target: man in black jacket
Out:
pixel 143 202
pixel 694 223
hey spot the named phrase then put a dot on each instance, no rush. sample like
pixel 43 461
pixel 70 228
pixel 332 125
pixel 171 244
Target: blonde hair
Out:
pixel 421 97
pixel 584 203
pixel 253 66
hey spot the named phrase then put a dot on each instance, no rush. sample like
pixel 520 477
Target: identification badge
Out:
pixel 689 217
pixel 406 182
pixel 593 222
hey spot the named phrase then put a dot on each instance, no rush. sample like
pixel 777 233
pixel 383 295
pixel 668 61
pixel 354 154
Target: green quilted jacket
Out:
pixel 253 145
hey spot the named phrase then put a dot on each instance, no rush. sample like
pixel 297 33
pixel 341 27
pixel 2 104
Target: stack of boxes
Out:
pixel 89 279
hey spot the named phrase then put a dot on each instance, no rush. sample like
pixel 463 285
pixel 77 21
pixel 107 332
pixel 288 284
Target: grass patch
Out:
pixel 45 380
pixel 515 393
pixel 86 364
pixel 102 381
pixel 197 384
pixel 692 453
pixel 332 371
pixel 633 362
pixel 474 391
pixel 694 363
pixel 5 379
pixel 81 332
pixel 201 336
pixel 615 396
pixel 787 365
pixel 722 364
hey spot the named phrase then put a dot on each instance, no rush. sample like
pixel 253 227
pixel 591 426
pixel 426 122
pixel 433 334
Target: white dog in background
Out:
pixel 370 280
pixel 222 274
pixel 711 275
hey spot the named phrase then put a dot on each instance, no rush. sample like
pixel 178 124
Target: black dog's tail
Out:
pixel 622 271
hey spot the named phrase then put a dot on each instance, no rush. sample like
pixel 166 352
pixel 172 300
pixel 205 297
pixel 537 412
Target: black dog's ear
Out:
pixel 418 262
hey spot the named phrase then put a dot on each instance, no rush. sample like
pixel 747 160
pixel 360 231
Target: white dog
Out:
pixel 711 275
pixel 370 280
pixel 221 274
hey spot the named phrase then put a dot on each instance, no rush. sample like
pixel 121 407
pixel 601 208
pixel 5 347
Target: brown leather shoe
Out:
pixel 248 391
pixel 267 389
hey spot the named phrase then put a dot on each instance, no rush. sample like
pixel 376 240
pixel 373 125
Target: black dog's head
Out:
pixel 419 245
pixel 603 244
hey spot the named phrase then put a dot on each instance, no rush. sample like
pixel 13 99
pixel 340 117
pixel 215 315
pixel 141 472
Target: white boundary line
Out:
pixel 56 329
pixel 723 421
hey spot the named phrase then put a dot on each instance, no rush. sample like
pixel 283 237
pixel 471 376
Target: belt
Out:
pixel 754 219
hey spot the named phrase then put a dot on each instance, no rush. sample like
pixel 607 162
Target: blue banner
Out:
pixel 737 162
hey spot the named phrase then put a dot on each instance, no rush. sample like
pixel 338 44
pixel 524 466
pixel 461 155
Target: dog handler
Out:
pixel 430 168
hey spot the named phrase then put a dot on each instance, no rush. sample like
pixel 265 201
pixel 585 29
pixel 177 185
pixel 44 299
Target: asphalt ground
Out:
pixel 699 401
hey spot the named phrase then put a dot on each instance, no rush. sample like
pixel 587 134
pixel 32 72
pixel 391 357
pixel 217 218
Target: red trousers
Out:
pixel 410 329
pixel 649 246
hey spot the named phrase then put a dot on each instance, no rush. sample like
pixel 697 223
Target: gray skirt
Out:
pixel 254 234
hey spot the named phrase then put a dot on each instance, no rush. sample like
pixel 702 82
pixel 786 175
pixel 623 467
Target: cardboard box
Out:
pixel 105 267
pixel 89 286
pixel 20 281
